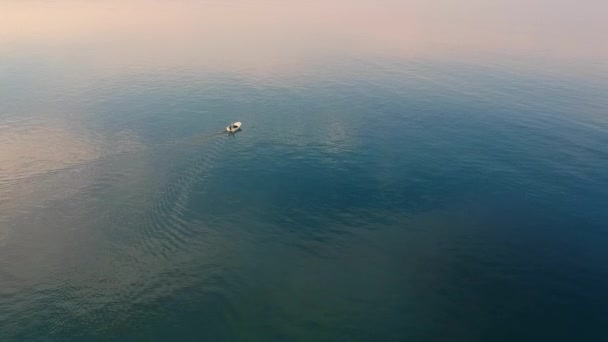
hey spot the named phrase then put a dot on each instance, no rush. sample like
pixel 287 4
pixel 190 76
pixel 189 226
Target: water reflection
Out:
pixel 37 150
pixel 44 162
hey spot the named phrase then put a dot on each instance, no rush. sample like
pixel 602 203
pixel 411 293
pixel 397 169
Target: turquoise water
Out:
pixel 370 196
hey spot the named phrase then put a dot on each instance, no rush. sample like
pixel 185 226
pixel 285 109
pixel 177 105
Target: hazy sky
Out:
pixel 264 31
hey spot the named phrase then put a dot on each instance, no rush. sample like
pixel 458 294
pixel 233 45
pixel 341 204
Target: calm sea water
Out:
pixel 389 183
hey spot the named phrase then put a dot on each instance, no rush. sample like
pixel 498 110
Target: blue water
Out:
pixel 367 198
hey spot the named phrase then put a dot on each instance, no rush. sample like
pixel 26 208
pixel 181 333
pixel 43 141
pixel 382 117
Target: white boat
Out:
pixel 233 127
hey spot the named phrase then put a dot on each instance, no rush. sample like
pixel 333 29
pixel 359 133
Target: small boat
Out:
pixel 233 127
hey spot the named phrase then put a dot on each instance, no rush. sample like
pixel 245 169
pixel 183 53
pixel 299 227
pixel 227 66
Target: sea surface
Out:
pixel 406 171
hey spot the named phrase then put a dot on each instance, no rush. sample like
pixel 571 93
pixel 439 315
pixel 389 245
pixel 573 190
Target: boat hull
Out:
pixel 234 127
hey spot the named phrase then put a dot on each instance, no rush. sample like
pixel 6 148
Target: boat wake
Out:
pixel 164 227
pixel 160 205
